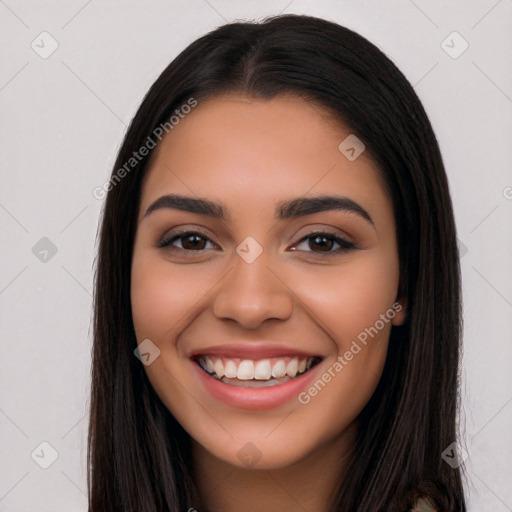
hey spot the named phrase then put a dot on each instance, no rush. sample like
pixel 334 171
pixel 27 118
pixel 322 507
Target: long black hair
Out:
pixel 137 452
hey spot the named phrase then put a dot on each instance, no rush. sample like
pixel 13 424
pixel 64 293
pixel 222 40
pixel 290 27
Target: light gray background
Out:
pixel 63 119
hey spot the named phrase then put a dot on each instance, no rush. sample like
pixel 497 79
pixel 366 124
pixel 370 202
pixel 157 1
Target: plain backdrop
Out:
pixel 72 76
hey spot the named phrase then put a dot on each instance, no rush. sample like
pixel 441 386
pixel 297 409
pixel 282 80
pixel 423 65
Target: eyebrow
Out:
pixel 289 209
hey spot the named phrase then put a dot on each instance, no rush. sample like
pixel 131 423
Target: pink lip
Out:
pixel 255 398
pixel 251 351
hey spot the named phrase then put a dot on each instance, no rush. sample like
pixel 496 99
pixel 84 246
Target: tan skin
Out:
pixel 250 154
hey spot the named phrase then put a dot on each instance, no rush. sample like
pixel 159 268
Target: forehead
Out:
pixel 256 149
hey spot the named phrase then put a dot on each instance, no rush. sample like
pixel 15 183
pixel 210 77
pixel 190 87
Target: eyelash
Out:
pixel 345 245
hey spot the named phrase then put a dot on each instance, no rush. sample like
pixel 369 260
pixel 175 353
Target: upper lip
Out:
pixel 252 351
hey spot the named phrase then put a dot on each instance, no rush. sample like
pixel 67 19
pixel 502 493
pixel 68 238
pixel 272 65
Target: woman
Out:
pixel 277 295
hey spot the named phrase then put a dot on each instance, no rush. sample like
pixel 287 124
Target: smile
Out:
pixel 254 376
pixel 256 373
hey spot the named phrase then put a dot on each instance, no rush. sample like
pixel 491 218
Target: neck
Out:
pixel 308 484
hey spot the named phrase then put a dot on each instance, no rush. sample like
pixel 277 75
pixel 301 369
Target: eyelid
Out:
pixel 314 229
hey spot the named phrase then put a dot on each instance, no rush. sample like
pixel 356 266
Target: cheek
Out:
pixel 160 297
pixel 350 298
pixel 347 303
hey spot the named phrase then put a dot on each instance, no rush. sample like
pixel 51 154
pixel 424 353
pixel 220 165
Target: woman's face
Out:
pixel 275 253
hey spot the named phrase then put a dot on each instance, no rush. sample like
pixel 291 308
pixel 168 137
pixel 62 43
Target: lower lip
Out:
pixel 255 398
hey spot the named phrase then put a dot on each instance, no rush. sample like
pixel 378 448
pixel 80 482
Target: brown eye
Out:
pixel 192 242
pixel 327 243
pixel 324 243
pixel 189 241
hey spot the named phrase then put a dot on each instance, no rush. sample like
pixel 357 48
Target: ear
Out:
pixel 400 307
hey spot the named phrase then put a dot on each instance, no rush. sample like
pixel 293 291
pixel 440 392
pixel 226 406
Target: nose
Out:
pixel 253 293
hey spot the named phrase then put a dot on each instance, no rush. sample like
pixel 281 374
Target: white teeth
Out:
pixel 218 368
pixel 209 364
pixel 230 369
pixel 292 367
pixel 279 369
pixel 245 370
pixel 262 370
